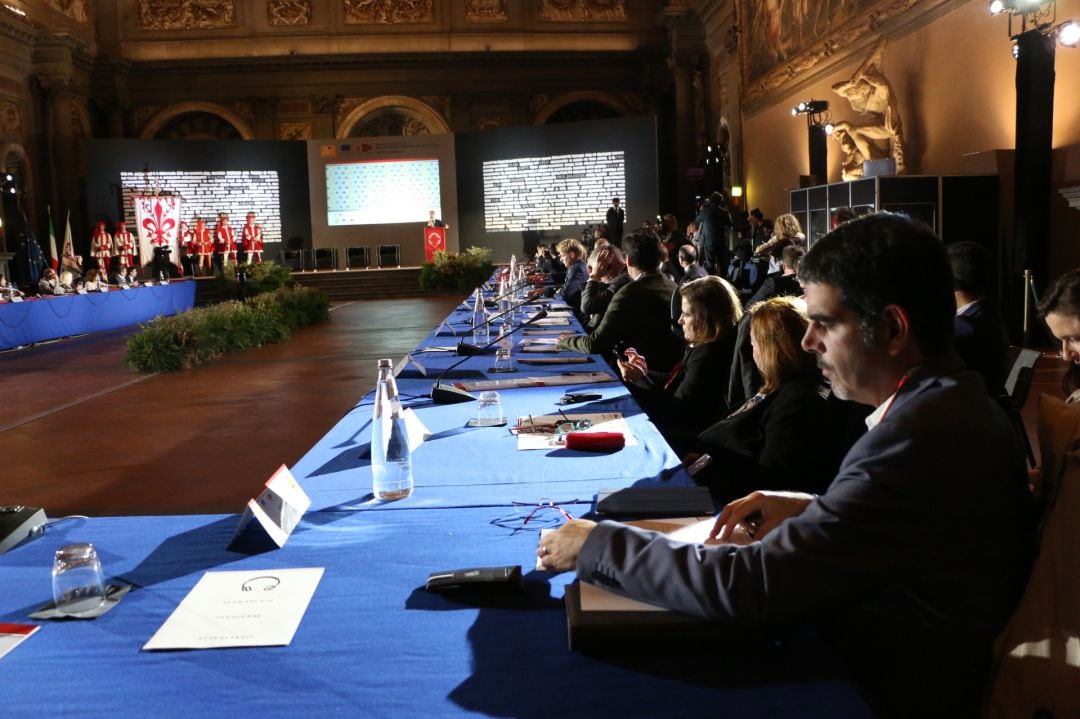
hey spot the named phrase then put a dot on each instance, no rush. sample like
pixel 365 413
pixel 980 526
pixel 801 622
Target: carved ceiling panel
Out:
pixel 582 10
pixel 486 10
pixel 295 131
pixel 74 9
pixel 186 14
pixel 389 12
pixel 288 12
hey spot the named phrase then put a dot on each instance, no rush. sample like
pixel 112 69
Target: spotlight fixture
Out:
pixel 829 128
pixel 1016 50
pixel 810 107
pixel 1037 15
pixel 736 190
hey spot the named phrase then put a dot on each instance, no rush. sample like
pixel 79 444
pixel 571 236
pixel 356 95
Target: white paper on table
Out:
pixel 255 608
pixel 554 380
pixel 552 322
pixel 416 429
pixel 544 341
pixel 12 635
pixel 601 422
pixel 691 530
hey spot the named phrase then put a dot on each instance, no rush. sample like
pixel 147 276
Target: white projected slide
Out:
pixel 548 193
pixel 382 192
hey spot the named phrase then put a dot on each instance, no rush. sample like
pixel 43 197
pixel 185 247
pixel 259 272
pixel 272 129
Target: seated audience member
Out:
pixel 8 291
pixel 92 281
pixel 572 253
pixel 783 283
pixel 132 277
pixel 670 234
pixel 793 433
pixel 119 277
pixel 607 275
pixel 980 336
pixel 786 231
pixel 691 271
pixel 842 215
pixel 1060 307
pixel 690 397
pixel 638 313
pixel 669 265
pixel 50 284
pixel 916 554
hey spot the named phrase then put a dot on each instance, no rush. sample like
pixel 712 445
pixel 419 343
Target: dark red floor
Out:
pixel 81 433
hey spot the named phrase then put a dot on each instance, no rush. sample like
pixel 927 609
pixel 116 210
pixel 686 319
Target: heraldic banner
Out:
pixel 434 241
pixel 158 220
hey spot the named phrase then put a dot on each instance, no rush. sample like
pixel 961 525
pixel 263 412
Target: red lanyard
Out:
pixel 892 397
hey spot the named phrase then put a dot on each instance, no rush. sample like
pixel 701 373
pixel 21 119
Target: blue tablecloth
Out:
pixel 37 320
pixel 373 642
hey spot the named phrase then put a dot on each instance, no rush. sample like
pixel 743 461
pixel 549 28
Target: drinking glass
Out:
pixel 78 584
pixel 503 363
pixel 489 411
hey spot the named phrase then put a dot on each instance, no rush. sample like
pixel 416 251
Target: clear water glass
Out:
pixel 489 412
pixel 78 583
pixel 503 362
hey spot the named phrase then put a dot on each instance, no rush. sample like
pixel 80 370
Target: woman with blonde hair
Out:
pixel 691 396
pixel 793 433
pixel 786 231
pixel 572 253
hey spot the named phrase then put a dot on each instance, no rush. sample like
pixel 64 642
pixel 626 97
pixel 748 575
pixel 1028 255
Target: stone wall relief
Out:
pixel 10 120
pixel 74 9
pixel 288 12
pixel 881 135
pixel 582 10
pixel 388 12
pixel 295 131
pixel 486 11
pixel 186 14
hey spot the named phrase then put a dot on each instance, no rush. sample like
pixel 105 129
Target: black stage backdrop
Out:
pixel 208 161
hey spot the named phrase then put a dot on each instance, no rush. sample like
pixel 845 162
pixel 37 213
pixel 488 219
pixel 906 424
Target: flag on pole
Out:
pixel 69 246
pixel 54 259
pixel 35 259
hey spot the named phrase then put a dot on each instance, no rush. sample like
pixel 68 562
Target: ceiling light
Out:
pixel 1069 34
pixel 997 7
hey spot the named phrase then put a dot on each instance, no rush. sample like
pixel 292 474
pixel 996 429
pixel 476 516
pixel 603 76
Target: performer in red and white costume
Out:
pixel 252 237
pixel 101 246
pixel 225 240
pixel 124 245
pixel 204 246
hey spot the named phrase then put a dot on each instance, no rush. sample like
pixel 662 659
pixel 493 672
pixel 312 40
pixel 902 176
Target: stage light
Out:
pixel 736 190
pixel 1069 34
pixel 997 7
pixel 801 107
pixel 794 112
pixel 1016 50
pixel 829 128
pixel 8 178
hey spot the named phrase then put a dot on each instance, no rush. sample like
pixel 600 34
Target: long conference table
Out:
pixel 48 318
pixel 373 642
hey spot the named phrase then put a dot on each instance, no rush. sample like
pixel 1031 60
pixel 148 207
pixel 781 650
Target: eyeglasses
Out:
pixel 543 514
pixel 558 429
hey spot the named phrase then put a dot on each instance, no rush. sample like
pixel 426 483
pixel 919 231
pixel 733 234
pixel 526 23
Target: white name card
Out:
pixel 276 511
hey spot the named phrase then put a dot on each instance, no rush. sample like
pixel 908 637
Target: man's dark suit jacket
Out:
pixel 981 341
pixel 615 219
pixel 597 295
pixel 914 557
pixel 637 317
pixel 776 285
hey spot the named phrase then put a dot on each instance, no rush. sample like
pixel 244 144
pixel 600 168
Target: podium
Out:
pixel 434 241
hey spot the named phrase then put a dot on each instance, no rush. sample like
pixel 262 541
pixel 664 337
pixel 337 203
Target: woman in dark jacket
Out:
pixel 793 433
pixel 692 396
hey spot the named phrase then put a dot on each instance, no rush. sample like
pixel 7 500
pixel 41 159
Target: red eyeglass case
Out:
pixel 595 441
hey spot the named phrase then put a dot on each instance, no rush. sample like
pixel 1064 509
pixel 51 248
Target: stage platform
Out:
pixel 387 283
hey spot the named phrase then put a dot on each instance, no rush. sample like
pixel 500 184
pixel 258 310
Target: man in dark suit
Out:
pixel 981 340
pixel 615 218
pixel 918 551
pixel 783 283
pixel 638 313
pixel 714 225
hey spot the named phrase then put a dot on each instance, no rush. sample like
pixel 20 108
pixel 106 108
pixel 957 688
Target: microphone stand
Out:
pixel 449 394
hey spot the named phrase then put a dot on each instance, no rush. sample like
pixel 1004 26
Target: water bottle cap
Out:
pixel 385 363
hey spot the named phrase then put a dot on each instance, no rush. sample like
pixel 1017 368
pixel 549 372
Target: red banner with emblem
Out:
pixel 158 221
pixel 434 241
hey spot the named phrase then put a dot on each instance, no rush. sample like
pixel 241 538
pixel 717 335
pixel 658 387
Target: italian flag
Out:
pixel 54 259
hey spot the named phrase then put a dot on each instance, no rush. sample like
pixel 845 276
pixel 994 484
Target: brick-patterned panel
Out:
pixel 548 193
pixel 205 194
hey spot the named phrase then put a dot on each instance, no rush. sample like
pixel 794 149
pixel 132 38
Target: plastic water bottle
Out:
pixel 391 460
pixel 481 329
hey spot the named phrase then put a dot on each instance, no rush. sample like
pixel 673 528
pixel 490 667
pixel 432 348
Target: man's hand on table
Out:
pixel 749 519
pixel 559 549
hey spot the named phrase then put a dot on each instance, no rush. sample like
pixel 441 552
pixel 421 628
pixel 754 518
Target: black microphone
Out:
pixel 450 394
